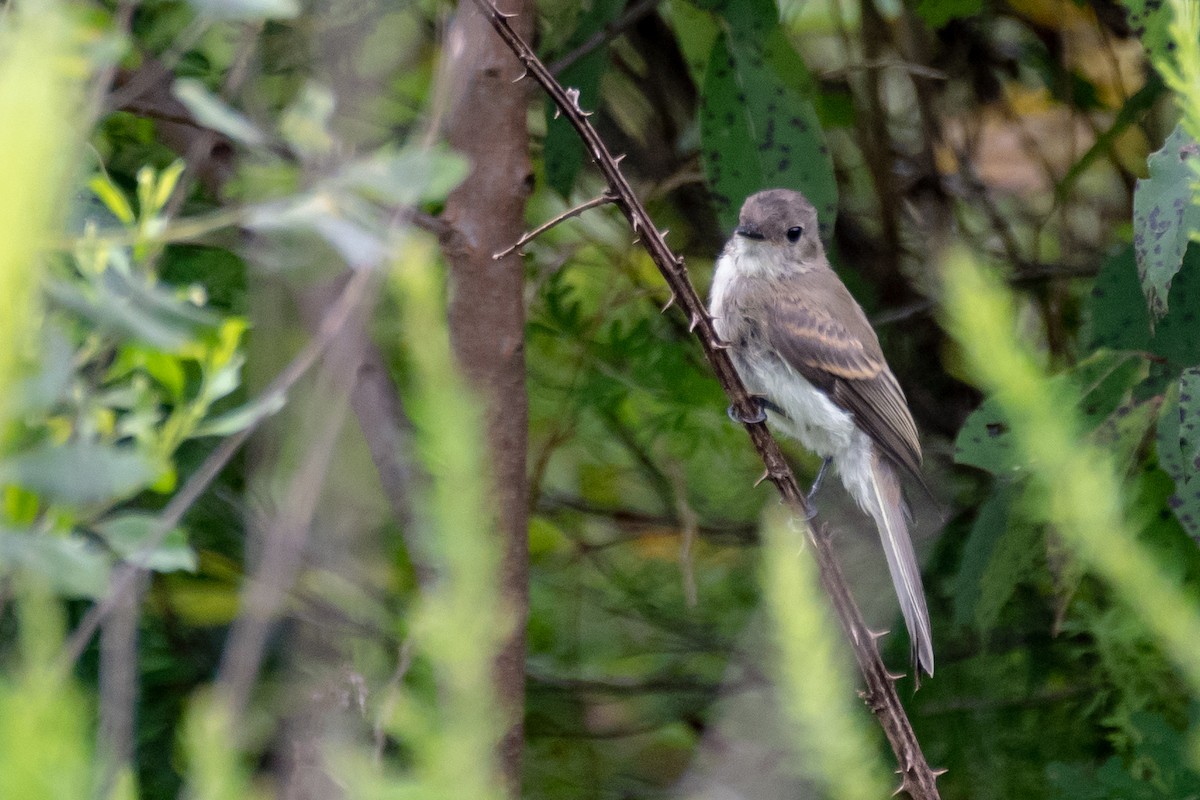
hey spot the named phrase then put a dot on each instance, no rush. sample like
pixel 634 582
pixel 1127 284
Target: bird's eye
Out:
pixel 794 234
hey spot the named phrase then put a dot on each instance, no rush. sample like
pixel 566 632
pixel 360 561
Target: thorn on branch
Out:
pixel 937 773
pixel 670 302
pixel 766 475
pixel 573 96
pixel 695 320
pixel 895 676
pixel 524 74
pixel 877 635
pixel 618 159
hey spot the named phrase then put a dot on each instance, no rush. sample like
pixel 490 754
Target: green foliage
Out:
pixel 564 152
pixel 250 150
pixel 1159 757
pixel 757 130
pixel 828 737
pixel 1098 387
pixel 1164 217
pixel 45 720
pixel 936 13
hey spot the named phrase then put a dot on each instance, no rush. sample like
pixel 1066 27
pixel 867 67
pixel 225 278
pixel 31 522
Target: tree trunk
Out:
pixel 486 122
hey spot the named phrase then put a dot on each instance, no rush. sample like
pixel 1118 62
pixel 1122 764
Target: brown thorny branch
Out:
pixel 917 778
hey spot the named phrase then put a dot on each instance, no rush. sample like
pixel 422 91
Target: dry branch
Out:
pixel 880 693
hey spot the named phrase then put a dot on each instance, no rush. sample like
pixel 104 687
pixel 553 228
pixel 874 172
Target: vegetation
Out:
pixel 258 504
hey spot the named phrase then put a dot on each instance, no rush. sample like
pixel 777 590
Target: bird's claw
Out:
pixel 812 490
pixel 760 403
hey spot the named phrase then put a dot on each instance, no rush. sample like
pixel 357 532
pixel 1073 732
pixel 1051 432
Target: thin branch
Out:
pixel 545 226
pixel 880 693
pixel 689 529
pixel 285 537
pixel 340 313
pixel 910 67
pixel 606 34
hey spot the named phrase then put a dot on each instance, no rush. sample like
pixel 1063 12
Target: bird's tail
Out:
pixel 885 503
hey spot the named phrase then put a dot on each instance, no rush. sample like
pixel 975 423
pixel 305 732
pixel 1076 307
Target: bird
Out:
pixel 807 353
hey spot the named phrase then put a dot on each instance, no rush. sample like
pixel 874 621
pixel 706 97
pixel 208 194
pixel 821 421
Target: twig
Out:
pixel 689 525
pixel 391 696
pixel 880 694
pixel 285 537
pixel 545 226
pixel 609 32
pixel 887 63
pixel 339 314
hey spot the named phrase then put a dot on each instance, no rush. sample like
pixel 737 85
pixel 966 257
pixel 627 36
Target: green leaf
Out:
pixel 224 380
pixel 1178 433
pixel 168 179
pixel 405 177
pixel 1117 317
pixel 212 112
pixel 305 124
pixel 79 473
pixel 241 417
pixel 1013 555
pixel 49 384
pixel 247 9
pixel 112 197
pixel 1189 418
pixel 1149 20
pixel 564 152
pixel 1098 385
pixel 989 528
pixel 125 303
pixel 1116 314
pixel 129 533
pixel 1164 216
pixel 757 131
pixel 937 13
pixel 69 564
pixel 359 242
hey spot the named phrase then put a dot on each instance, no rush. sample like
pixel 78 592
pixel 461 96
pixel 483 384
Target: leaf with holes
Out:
pixel 758 132
pixel 1097 386
pixel 1178 434
pixel 1149 20
pixel 1164 216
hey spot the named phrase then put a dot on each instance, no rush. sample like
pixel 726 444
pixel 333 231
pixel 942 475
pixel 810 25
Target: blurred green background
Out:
pixel 215 212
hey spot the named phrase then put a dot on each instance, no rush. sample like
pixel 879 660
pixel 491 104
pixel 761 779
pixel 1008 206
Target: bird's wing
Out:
pixel 843 359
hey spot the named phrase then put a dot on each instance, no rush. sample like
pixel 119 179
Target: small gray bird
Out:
pixel 802 345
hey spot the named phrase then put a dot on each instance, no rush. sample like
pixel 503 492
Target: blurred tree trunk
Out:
pixel 486 121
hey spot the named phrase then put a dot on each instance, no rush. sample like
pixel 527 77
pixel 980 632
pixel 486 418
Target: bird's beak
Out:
pixel 749 231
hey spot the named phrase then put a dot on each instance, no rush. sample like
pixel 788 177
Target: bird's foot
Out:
pixel 812 490
pixel 762 405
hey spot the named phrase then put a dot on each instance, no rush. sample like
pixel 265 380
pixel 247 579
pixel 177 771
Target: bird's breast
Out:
pixel 807 414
